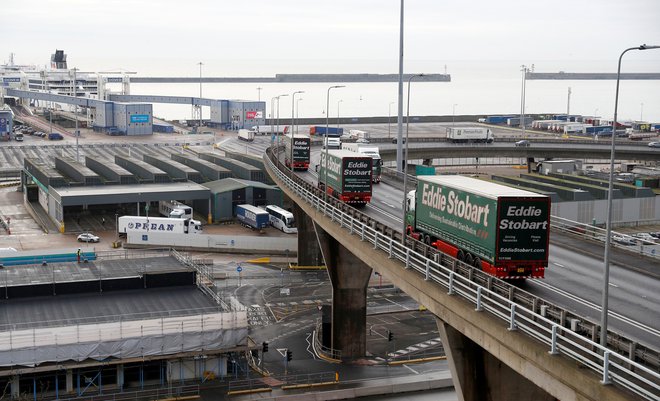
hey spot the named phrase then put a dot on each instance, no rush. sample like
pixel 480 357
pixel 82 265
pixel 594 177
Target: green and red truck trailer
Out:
pixel 501 230
pixel 299 157
pixel 348 176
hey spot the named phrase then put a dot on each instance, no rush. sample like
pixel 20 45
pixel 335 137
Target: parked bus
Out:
pixel 281 219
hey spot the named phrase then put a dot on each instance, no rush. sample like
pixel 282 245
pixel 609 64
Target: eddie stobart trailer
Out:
pixel 348 176
pixel 301 149
pixel 501 230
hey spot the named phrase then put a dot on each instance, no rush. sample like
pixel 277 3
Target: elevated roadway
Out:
pixel 434 282
pixel 539 149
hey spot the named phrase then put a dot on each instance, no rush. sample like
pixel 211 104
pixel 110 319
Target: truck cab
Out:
pixel 332 143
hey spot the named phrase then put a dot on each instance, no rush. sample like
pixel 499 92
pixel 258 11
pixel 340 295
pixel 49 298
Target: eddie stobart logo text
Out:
pixel 454 205
pixel 357 168
pixel 150 226
pixel 462 207
pixel 300 144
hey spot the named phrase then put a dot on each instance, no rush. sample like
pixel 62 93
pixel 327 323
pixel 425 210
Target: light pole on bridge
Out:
pixel 608 222
pixel 405 160
pixel 327 127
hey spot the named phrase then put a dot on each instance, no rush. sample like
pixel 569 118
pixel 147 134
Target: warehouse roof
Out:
pixel 231 184
pixel 108 194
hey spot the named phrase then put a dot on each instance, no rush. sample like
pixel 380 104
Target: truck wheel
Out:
pixel 460 255
pixel 427 240
pixel 477 263
pixel 469 259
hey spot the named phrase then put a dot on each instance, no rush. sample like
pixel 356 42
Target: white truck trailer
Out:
pixel 148 224
pixel 469 134
pixel 268 129
pixel 246 135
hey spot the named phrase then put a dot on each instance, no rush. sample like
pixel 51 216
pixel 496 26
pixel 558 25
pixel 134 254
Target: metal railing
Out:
pixel 627 242
pixel 610 366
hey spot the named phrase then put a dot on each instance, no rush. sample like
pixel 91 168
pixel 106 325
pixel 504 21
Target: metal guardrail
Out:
pixel 627 242
pixel 169 393
pixel 545 328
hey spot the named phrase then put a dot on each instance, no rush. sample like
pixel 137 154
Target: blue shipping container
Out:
pixel 498 119
pixel 332 131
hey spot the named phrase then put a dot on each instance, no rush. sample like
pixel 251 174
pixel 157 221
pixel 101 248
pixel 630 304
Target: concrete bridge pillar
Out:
pixel 350 278
pixel 309 252
pixel 478 375
pixel 15 387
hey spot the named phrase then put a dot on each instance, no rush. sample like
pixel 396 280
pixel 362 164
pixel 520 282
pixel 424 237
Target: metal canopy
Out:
pixel 109 194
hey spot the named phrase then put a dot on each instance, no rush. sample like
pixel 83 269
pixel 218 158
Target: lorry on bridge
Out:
pixel 252 216
pixel 301 151
pixel 371 151
pixel 146 224
pixel 501 230
pixel 469 134
pixel 348 176
pixel 270 129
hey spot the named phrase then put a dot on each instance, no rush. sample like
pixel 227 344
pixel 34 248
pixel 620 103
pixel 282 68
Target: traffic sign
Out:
pixel 239 268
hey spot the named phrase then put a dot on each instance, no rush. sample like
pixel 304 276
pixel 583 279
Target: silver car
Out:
pixel 88 237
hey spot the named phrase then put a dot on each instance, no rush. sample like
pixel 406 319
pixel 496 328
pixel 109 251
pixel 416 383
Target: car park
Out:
pixel 654 145
pixel 523 142
pixel 623 240
pixel 88 237
pixel 644 237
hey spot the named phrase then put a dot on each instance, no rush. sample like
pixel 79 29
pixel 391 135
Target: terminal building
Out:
pixel 75 196
pixel 114 112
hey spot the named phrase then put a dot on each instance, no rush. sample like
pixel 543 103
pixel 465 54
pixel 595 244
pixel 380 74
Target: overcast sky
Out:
pixel 146 35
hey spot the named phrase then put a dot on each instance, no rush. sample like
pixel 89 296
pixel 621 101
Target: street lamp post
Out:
pixel 389 120
pixel 199 106
pixel 75 112
pixel 453 114
pixel 338 101
pixel 568 106
pixel 259 88
pixel 641 112
pixel 277 123
pixel 608 223
pixel 327 125
pixel 297 110
pixel 405 160
pixel 399 145
pixel 293 122
pixel 522 100
pixel 272 118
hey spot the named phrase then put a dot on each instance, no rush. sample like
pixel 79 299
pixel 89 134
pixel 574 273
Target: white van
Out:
pixel 18 137
pixel 332 143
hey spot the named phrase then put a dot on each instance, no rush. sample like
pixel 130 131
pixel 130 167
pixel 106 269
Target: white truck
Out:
pixel 246 135
pixel 148 224
pixel 358 134
pixel 469 134
pixel 175 210
pixel 268 129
